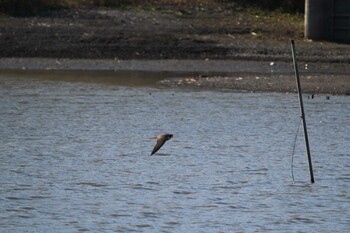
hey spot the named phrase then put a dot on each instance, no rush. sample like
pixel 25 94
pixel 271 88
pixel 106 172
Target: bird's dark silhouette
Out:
pixel 161 139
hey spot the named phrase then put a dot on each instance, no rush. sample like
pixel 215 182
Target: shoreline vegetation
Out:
pixel 42 34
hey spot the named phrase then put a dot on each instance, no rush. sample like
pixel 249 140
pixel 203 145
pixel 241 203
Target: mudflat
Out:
pixel 203 40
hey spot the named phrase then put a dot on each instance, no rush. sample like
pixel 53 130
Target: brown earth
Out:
pixel 162 34
pixel 75 36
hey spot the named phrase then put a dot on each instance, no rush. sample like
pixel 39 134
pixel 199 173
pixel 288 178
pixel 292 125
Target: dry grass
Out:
pixel 121 3
pixel 25 7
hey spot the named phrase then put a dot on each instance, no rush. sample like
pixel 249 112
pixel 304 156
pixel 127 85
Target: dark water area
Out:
pixel 75 156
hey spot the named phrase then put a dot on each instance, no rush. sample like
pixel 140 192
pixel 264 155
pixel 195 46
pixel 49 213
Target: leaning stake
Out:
pixel 302 112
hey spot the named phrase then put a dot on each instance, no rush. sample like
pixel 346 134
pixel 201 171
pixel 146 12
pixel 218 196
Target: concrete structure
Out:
pixel 327 20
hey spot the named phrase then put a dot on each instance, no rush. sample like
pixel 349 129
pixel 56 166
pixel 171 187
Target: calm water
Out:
pixel 74 156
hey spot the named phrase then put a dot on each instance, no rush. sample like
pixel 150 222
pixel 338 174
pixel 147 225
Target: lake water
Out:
pixel 75 157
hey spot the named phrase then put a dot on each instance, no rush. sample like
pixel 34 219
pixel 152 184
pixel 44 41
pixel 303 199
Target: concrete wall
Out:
pixel 327 20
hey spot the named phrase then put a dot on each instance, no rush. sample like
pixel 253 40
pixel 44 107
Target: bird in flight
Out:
pixel 161 139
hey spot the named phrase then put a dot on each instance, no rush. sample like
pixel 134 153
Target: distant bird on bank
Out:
pixel 161 139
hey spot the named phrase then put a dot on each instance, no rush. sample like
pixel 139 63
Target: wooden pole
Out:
pixel 302 112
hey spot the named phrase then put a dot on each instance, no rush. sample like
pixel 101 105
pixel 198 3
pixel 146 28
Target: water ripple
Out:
pixel 75 156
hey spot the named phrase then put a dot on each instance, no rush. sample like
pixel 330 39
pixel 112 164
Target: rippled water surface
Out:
pixel 75 156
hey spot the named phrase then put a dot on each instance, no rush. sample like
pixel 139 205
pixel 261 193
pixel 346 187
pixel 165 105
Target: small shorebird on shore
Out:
pixel 161 139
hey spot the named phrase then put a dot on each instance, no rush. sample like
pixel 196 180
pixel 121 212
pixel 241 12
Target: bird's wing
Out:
pixel 160 143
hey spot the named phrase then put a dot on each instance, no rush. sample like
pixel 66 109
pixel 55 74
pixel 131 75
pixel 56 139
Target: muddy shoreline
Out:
pixel 162 34
pixel 226 47
pixel 252 76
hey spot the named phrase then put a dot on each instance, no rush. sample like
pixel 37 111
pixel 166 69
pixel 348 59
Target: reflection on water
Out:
pixel 103 77
pixel 75 157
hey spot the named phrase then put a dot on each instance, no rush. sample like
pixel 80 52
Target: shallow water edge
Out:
pixel 246 76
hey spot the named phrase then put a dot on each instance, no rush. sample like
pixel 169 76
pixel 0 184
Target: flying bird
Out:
pixel 161 139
